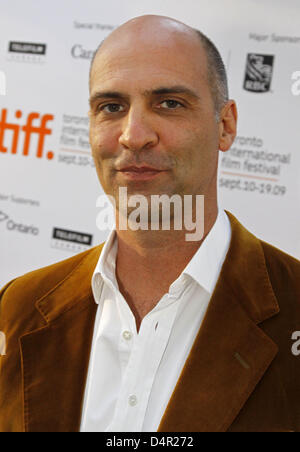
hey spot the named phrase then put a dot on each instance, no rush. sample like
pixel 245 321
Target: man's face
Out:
pixel 151 106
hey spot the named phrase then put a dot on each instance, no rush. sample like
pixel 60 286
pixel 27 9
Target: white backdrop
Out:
pixel 48 186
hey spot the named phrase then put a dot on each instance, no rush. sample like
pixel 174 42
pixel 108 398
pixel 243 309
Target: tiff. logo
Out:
pixel 28 129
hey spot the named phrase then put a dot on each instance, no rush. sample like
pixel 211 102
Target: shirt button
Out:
pixel 127 335
pixel 132 400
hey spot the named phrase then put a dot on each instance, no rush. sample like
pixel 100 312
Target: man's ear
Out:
pixel 227 125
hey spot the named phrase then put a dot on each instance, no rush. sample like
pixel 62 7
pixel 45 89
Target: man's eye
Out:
pixel 171 104
pixel 112 108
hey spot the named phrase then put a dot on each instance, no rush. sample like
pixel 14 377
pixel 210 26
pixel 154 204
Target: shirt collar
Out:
pixel 204 267
pixel 106 267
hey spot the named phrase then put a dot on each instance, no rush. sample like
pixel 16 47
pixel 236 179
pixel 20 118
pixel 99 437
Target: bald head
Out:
pixel 156 28
pixel 155 32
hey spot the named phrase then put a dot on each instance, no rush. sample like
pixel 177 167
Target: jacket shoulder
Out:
pixel 20 294
pixel 284 274
pixel 280 264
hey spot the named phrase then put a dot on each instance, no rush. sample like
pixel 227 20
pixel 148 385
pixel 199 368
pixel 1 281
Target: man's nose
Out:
pixel 138 130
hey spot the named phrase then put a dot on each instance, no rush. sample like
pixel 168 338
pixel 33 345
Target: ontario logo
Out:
pixel 16 138
pixel 259 70
pixel 13 226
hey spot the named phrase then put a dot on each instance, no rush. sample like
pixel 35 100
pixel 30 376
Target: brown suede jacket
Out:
pixel 240 376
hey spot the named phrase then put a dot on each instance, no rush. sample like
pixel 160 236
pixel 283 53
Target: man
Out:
pixel 172 334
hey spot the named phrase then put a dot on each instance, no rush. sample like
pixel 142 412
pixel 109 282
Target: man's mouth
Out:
pixel 139 169
pixel 140 173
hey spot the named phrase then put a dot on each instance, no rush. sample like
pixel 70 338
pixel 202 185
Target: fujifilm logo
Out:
pixel 29 52
pixel 67 240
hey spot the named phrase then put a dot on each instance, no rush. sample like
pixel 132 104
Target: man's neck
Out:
pixel 148 262
pixel 151 248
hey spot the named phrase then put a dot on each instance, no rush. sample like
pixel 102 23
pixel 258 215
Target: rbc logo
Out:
pixel 258 76
pixel 40 129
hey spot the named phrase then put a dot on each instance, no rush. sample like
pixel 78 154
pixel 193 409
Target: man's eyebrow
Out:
pixel 177 89
pixel 106 95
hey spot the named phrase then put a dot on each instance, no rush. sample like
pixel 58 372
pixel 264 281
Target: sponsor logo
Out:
pixel 35 124
pixel 65 239
pixel 27 47
pixel 79 52
pixel 14 226
pixel 26 52
pixel 2 83
pixel 259 70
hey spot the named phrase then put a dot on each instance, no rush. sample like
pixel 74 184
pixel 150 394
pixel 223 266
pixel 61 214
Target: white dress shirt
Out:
pixel 132 375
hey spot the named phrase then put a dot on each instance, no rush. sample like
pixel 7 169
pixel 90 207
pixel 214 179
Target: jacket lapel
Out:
pixel 54 387
pixel 231 353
